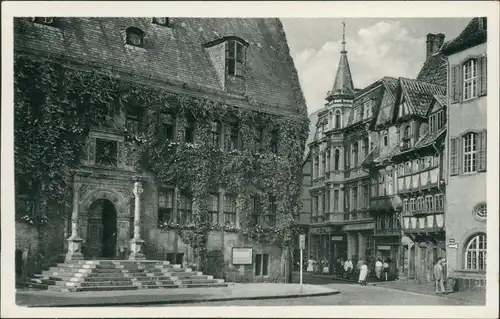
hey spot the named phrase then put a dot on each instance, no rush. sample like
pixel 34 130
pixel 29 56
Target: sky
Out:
pixel 375 48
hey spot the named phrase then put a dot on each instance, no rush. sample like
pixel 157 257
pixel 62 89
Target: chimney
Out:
pixel 434 43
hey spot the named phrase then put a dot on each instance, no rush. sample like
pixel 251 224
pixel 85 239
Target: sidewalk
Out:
pixel 473 297
pixel 168 296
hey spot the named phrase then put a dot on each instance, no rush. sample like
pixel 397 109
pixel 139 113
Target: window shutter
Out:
pixel 482 75
pixel 460 154
pixel 455 82
pixel 454 156
pixel 481 154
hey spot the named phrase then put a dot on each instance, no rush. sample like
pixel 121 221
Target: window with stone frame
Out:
pixel 235 58
pixel 336 199
pixel 338 119
pixel 167 126
pixel 365 147
pixel 337 159
pixel 261 265
pixel 328 161
pixel 470 79
pixel 185 208
pixel 229 209
pixel 323 165
pixel 316 167
pixel 135 37
pixel 232 142
pixel 257 139
pixel 213 208
pixel 355 154
pixel 189 129
pixel 270 217
pixel 133 119
pixel 165 206
pixel 366 196
pixel 215 133
pixel 355 198
pixel 475 253
pixel 385 139
pixel 106 152
pixel 274 140
pixel 256 210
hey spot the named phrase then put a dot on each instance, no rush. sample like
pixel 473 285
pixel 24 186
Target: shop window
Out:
pixel 262 265
pixel 475 253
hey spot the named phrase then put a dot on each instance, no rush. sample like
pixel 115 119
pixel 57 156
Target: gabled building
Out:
pixel 148 129
pixel 466 181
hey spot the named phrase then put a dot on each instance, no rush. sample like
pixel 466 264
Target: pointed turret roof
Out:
pixel 343 85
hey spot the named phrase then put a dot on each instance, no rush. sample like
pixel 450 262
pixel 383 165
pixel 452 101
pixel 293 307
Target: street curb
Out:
pixel 445 296
pixel 165 302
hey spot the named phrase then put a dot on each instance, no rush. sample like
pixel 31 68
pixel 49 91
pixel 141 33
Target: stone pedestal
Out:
pixel 74 249
pixel 136 249
pixel 74 241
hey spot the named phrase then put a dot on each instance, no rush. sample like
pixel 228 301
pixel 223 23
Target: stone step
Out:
pixel 109 283
pixel 184 274
pixel 104 279
pixel 106 288
pixel 35 285
pixel 199 281
pixel 107 270
pixel 44 281
pixel 204 285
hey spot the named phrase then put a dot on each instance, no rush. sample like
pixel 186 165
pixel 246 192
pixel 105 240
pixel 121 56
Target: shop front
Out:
pixel 327 244
pixel 360 242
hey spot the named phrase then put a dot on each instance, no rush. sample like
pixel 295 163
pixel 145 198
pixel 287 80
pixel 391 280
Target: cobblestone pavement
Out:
pixel 350 294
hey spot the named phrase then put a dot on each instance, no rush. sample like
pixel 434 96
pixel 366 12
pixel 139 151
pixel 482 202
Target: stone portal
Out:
pixel 102 230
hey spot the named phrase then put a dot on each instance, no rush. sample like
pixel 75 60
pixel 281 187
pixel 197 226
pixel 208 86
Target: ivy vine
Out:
pixel 57 106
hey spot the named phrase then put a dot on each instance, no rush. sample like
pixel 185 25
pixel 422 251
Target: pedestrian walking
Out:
pixel 378 268
pixel 348 267
pixel 363 273
pixel 310 264
pixel 385 269
pixel 439 276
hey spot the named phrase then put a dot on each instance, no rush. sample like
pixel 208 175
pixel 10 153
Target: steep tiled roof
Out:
pixel 418 96
pixel 434 70
pixel 343 84
pixel 471 36
pixel 441 99
pixel 386 110
pixel 174 54
pixel 430 138
pixel 313 118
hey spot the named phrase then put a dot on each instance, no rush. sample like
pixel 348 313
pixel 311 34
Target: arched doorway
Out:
pixel 102 230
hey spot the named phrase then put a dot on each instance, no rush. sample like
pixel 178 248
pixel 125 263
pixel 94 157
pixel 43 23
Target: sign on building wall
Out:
pixel 337 238
pixel 358 226
pixel 242 256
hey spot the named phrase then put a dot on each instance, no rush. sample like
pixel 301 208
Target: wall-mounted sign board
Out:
pixel 242 256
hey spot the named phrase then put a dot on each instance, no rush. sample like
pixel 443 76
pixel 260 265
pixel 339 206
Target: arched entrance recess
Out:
pixel 105 224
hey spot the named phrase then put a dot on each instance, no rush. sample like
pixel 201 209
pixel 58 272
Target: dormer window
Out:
pixel 235 58
pixel 163 21
pixel 135 37
pixel 436 121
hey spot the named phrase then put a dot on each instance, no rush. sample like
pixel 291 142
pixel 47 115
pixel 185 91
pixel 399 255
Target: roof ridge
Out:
pixel 423 82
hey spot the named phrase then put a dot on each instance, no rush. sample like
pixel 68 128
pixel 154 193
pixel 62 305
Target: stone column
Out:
pixel 74 241
pixel 136 243
pixel 361 245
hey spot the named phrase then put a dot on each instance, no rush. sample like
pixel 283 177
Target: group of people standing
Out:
pixel 346 269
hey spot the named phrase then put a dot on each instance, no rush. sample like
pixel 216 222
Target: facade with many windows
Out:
pixel 466 204
pixel 116 197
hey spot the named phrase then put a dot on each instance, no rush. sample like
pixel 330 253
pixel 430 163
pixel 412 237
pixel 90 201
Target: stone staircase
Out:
pixel 106 275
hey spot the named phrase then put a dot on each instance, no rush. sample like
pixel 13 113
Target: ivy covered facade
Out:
pixel 174 141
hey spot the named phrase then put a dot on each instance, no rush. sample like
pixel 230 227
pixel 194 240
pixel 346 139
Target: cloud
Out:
pixel 383 49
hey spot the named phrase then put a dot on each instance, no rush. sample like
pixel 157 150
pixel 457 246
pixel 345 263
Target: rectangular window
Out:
pixel 438 203
pixel 366 196
pixel 189 130
pixel 167 126
pixel 354 198
pixel 470 152
pixel 365 148
pixel 274 141
pixel 346 199
pixel 256 214
pixel 262 265
pixel 232 141
pixel 230 209
pixel 316 167
pixel 405 207
pixel 429 204
pixel 165 206
pixel 386 140
pixel 257 145
pixel 185 208
pixel 470 79
pixel 133 119
pixel 272 210
pixel 215 133
pixel 213 208
pixel 328 160
pixel 235 58
pixel 413 207
pixel 355 154
pixel 336 200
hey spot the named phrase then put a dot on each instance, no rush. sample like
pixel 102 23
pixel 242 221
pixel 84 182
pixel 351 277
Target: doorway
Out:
pixel 102 230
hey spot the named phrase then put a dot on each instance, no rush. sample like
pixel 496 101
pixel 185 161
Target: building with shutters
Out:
pixel 210 85
pixel 466 183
